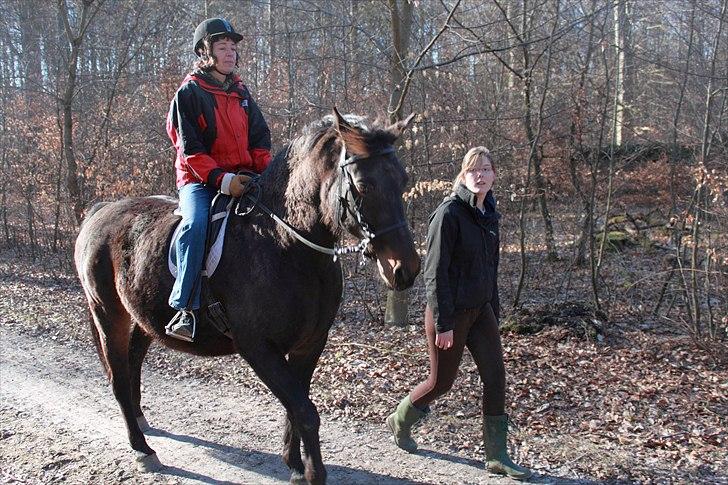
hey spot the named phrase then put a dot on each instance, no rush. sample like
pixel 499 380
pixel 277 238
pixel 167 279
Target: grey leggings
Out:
pixel 478 330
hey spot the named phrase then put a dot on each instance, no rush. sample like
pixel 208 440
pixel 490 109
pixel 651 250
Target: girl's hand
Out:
pixel 443 340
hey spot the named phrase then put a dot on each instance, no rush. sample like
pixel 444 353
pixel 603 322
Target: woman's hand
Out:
pixel 443 340
pixel 238 185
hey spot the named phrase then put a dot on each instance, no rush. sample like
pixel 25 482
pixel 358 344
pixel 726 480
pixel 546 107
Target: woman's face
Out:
pixel 223 51
pixel 480 177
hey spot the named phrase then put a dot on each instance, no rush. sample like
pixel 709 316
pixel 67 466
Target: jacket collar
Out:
pixel 464 194
pixel 208 82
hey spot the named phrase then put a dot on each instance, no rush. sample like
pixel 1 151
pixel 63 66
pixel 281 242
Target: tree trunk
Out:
pixel 271 51
pixel 351 49
pixel 535 152
pixel 32 242
pixel 678 108
pixel 6 227
pixel 291 80
pixel 577 156
pixel 30 39
pixel 535 155
pixel 622 43
pixel 401 28
pixel 75 39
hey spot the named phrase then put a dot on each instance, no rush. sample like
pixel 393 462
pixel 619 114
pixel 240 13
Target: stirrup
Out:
pixel 176 321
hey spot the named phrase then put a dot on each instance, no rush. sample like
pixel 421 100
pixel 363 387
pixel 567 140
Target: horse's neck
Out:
pixel 292 188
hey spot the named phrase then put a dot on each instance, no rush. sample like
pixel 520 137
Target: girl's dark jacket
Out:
pixel 461 267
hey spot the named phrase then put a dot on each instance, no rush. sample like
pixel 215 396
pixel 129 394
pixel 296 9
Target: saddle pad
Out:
pixel 218 224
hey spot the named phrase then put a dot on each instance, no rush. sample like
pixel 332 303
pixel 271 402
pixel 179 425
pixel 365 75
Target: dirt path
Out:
pixel 60 422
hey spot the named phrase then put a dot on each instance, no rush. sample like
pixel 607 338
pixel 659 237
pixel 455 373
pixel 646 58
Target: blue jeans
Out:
pixel 194 203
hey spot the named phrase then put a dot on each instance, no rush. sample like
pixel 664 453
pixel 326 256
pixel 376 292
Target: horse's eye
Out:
pixel 363 188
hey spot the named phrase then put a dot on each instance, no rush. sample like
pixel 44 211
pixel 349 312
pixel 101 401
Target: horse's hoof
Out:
pixel 298 478
pixel 143 424
pixel 148 463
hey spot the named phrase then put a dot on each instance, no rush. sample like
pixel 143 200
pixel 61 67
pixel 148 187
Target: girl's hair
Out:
pixel 471 159
pixel 206 61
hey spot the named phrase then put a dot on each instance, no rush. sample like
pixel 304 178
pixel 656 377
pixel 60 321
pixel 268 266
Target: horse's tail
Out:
pixel 97 344
pixel 93 210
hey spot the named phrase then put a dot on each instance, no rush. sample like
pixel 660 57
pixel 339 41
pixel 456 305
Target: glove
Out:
pixel 238 185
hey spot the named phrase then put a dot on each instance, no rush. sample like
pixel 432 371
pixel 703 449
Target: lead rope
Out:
pixel 335 252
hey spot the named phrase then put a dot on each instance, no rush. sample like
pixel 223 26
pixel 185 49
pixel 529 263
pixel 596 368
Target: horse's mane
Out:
pixel 368 138
pixel 297 169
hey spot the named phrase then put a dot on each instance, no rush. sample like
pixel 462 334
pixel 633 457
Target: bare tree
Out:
pixel 523 33
pixel 702 202
pixel 622 43
pixel 546 84
pixel 75 38
pixel 401 26
pixel 534 137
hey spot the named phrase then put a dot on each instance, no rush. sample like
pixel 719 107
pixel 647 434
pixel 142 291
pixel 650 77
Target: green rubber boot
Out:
pixel 401 421
pixel 495 430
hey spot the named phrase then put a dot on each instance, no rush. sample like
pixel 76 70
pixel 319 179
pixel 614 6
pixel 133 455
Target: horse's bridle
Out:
pixel 349 204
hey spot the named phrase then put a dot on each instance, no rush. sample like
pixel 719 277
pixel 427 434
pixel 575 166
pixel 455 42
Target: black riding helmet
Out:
pixel 213 28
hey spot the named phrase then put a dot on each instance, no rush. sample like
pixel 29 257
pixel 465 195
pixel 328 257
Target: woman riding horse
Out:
pixel 217 130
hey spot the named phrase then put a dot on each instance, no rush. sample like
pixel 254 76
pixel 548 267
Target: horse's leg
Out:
pixel 114 327
pixel 302 365
pixel 138 347
pixel 276 373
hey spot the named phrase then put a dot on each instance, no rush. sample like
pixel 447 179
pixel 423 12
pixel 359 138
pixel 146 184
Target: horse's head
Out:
pixel 369 185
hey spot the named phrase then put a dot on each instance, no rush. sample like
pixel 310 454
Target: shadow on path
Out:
pixel 536 478
pixel 264 463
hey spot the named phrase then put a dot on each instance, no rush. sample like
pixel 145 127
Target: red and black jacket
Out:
pixel 216 130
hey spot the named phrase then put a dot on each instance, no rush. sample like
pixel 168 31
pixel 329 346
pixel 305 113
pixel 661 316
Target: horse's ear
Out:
pixel 398 128
pixel 350 135
pixel 341 125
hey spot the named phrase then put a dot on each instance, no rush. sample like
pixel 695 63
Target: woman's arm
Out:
pixel 495 300
pixel 442 235
pixel 184 129
pixel 258 137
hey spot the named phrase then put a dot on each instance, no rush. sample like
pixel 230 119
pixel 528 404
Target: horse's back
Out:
pixel 115 235
pixel 105 219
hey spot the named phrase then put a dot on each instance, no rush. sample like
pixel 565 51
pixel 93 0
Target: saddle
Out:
pixel 220 210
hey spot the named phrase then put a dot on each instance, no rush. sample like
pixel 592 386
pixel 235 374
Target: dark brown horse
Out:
pixel 280 295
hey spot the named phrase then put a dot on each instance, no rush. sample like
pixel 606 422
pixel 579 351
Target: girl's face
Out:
pixel 224 53
pixel 479 178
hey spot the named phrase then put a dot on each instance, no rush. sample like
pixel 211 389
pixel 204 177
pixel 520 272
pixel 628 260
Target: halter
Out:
pixel 349 205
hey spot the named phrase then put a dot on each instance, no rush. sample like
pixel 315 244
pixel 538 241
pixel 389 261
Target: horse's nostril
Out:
pixel 399 269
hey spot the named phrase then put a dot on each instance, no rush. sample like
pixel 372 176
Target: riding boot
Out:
pixel 401 421
pixel 183 325
pixel 495 431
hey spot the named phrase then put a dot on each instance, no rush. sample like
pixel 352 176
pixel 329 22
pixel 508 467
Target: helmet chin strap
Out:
pixel 220 72
pixel 207 55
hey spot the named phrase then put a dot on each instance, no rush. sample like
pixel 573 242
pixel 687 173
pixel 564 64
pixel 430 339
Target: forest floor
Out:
pixel 630 400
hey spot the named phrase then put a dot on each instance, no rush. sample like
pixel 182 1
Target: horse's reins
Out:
pixel 346 209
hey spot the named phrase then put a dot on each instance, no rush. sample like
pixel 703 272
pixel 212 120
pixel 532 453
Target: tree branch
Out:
pixel 396 112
